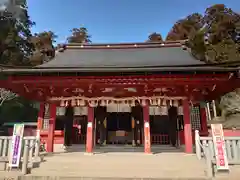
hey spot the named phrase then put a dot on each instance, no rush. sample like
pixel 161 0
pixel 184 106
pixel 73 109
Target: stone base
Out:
pixel 3 166
pixel 88 154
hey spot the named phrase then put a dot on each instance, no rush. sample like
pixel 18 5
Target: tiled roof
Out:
pixel 122 55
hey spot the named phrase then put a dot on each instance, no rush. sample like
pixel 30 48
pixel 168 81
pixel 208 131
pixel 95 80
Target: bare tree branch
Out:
pixel 6 95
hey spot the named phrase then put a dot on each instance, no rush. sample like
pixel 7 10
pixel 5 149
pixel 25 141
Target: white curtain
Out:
pixel 118 108
pixel 80 111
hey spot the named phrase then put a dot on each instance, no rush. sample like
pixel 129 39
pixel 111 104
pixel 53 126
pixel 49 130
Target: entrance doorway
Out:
pixel 119 128
pixel 119 124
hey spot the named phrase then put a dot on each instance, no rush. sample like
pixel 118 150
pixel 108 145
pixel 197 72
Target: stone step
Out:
pixel 101 178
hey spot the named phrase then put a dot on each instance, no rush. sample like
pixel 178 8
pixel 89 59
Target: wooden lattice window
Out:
pixel 195 118
pixel 46 116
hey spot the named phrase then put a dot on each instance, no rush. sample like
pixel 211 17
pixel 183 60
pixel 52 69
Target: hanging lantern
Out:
pixel 73 103
pixel 153 102
pixel 62 104
pixel 159 102
pixel 143 102
pixel 120 102
pixel 78 102
pixel 175 103
pixel 132 103
pixel 93 103
pixel 103 103
pixel 66 103
pixel 125 102
pixel 164 102
pixel 82 102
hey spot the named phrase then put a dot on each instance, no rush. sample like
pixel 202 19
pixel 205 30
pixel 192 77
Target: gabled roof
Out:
pixel 126 57
pixel 122 55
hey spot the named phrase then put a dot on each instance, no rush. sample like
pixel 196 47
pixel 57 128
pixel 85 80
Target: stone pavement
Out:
pixel 114 165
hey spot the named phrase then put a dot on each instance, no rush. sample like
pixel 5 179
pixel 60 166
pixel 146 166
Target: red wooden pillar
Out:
pixel 89 143
pixel 187 127
pixel 40 116
pixel 147 135
pixel 52 122
pixel 203 116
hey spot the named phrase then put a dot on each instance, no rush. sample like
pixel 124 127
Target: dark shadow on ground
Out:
pixel 119 149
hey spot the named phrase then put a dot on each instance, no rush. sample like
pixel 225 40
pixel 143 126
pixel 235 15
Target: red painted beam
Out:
pixel 131 77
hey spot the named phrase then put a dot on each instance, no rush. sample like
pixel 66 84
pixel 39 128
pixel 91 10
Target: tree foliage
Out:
pixel 15 47
pixel 79 35
pixel 213 37
pixel 185 28
pixel 6 95
pixel 231 103
pixel 43 47
pixel 155 37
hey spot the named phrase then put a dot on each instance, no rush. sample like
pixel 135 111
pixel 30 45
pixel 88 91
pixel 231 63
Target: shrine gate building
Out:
pixel 133 93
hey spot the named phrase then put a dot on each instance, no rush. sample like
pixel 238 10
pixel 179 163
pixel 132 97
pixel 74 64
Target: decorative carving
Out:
pixel 51 90
pixel 131 89
pixel 78 90
pixel 106 90
pixel 26 88
pixel 90 88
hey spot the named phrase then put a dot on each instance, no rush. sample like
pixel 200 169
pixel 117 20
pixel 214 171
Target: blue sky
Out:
pixel 115 20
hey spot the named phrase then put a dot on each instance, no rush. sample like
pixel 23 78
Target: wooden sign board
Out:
pixel 219 147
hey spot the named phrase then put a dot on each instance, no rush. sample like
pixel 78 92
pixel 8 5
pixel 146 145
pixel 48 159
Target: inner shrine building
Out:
pixel 132 93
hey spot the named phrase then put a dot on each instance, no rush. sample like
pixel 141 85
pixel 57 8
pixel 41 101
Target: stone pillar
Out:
pixel 40 116
pixel 214 108
pixel 147 135
pixel 52 122
pixel 203 116
pixel 89 143
pixel 187 127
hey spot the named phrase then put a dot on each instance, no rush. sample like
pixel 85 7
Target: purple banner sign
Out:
pixel 16 145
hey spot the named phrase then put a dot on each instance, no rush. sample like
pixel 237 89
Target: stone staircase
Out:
pixel 118 165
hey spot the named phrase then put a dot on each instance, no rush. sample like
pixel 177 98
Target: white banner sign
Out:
pixel 16 147
pixel 220 148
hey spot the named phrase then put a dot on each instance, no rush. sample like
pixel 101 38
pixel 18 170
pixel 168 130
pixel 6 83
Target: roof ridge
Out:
pixel 126 43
